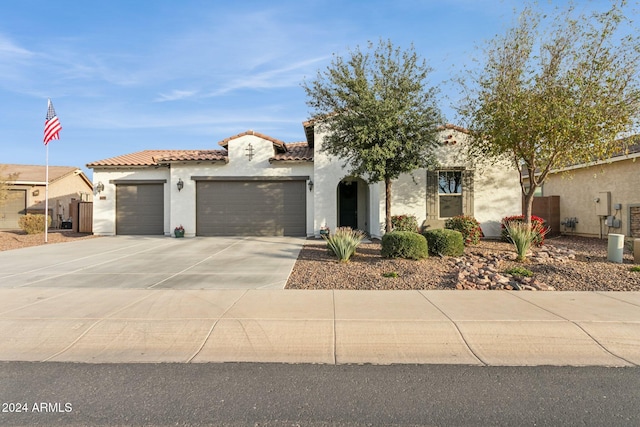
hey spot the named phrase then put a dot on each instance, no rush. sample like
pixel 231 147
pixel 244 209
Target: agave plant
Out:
pixel 343 242
pixel 523 236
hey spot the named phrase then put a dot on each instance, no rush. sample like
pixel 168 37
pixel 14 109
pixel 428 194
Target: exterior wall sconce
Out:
pixel 310 185
pixel 99 187
pixel 35 192
pixel 180 184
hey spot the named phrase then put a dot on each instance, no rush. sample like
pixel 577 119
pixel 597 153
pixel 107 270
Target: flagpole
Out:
pixel 52 128
pixel 46 197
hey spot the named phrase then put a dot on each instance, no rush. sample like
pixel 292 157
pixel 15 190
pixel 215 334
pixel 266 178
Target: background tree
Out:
pixel 379 113
pixel 555 95
pixel 5 193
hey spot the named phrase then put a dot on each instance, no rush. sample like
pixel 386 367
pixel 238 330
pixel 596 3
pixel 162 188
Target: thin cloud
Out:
pixel 175 95
pixel 288 76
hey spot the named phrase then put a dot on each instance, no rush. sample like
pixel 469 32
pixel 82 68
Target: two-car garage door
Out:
pixel 223 207
pixel 251 207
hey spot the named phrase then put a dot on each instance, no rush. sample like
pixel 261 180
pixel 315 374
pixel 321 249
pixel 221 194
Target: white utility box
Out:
pixel 616 248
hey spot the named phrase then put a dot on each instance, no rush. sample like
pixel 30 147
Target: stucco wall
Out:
pixel 180 206
pixel 104 203
pixel 580 187
pixel 496 192
pixel 328 172
pixel 61 192
pixel 183 208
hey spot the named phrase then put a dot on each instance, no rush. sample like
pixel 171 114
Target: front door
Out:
pixel 348 204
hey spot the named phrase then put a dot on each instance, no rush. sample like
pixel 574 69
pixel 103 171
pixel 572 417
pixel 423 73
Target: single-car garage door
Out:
pixel 251 208
pixel 13 208
pixel 140 209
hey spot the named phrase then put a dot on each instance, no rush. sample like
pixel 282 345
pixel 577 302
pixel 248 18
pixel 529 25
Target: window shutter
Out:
pixel 467 192
pixel 432 194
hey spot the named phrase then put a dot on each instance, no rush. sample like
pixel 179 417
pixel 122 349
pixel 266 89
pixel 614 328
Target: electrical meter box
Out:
pixel 603 203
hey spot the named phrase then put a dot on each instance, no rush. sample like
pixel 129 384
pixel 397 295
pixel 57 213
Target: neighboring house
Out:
pixel 27 192
pixel 603 196
pixel 259 185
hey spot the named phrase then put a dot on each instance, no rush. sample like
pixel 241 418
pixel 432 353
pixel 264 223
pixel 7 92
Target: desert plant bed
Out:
pixel 586 270
pixel 19 239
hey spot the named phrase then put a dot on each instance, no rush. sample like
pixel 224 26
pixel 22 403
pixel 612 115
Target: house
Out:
pixel 255 184
pixel 26 185
pixel 598 198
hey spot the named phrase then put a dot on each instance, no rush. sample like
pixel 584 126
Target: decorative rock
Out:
pixel 476 271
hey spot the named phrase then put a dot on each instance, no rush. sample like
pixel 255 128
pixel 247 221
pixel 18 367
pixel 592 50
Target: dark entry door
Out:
pixel 348 202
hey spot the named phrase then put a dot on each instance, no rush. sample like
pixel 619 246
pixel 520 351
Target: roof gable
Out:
pixel 38 173
pixel 276 142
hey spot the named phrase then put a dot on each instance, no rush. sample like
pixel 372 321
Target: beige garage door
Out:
pixel 12 209
pixel 251 208
pixel 139 209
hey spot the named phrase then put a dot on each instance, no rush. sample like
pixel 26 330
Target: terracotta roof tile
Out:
pixel 194 155
pixel 297 151
pixel 277 142
pixel 153 157
pixel 140 158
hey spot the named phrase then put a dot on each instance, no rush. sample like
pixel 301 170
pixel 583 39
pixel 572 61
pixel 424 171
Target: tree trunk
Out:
pixel 528 205
pixel 387 205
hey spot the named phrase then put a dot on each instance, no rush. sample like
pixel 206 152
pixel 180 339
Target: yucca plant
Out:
pixel 523 236
pixel 343 242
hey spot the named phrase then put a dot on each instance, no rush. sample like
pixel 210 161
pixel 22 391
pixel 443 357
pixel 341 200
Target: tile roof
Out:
pixel 275 141
pixel 194 155
pixel 154 157
pixel 37 173
pixel 296 151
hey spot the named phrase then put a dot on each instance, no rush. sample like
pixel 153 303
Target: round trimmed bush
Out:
pixel 404 244
pixel 444 242
pixel 404 223
pixel 468 226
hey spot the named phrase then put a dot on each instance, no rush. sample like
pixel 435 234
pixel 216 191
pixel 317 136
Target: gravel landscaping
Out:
pixel 19 239
pixel 580 266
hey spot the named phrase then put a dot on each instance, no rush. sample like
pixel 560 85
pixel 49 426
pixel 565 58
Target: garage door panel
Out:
pixel 140 209
pixel 262 208
pixel 12 209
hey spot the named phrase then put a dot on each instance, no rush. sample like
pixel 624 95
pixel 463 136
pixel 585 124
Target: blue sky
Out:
pixel 130 75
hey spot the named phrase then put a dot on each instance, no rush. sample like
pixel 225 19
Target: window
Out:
pixel 537 193
pixel 450 193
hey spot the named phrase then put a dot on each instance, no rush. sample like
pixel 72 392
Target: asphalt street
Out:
pixel 246 394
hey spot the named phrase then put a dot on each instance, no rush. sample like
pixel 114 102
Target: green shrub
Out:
pixel 522 236
pixel 537 224
pixel 404 223
pixel 444 242
pixel 391 274
pixel 468 226
pixel 519 271
pixel 343 242
pixel 33 224
pixel 635 268
pixel 404 244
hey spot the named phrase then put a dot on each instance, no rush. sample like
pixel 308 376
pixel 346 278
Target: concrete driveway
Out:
pixel 137 262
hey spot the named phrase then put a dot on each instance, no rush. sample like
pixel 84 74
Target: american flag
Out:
pixel 52 126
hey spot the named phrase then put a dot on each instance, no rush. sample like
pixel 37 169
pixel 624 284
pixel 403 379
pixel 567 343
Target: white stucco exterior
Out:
pixel 104 203
pixel 496 191
pixel 496 188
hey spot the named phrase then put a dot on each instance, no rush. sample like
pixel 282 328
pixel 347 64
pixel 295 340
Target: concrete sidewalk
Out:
pixel 332 327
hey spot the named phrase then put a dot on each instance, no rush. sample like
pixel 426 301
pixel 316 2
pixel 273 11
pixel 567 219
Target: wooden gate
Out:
pixel 81 216
pixel 548 208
